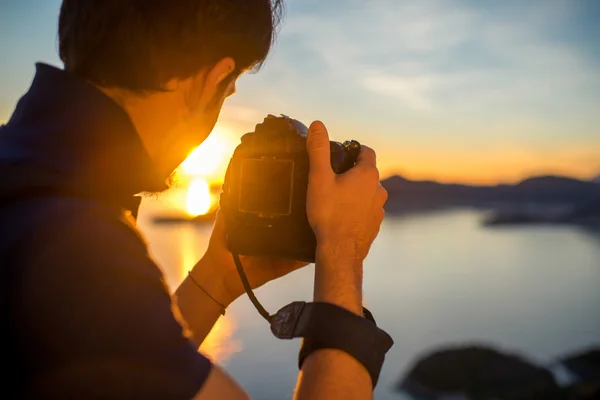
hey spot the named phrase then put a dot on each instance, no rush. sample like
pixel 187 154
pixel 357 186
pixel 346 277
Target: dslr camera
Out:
pixel 263 201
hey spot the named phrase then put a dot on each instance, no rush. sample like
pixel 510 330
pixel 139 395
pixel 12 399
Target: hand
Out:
pixel 217 266
pixel 346 210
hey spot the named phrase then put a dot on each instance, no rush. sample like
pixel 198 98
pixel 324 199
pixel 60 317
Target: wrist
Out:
pixel 213 281
pixel 341 250
pixel 338 278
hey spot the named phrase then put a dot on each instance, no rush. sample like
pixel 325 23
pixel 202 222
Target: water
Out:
pixel 431 279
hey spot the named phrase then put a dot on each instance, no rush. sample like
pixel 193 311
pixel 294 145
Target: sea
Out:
pixel 432 280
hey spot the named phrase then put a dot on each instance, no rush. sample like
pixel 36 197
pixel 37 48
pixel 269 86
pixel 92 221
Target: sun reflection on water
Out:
pixel 199 199
pixel 205 166
pixel 219 345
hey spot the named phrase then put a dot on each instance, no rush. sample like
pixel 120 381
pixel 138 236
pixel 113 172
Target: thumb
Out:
pixel 319 153
pixel 218 235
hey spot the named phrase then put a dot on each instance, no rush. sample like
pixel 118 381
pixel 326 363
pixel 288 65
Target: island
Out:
pixel 539 200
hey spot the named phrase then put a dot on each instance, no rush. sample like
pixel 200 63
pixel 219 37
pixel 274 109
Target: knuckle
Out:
pixel 373 153
pixel 368 151
pixel 383 193
pixel 370 172
pixel 374 173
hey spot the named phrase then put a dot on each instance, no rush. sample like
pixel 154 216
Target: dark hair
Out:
pixel 140 45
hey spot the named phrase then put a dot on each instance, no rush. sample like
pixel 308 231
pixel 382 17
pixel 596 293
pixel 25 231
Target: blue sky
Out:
pixel 454 90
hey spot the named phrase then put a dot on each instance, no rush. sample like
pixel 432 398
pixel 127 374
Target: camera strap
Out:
pixel 326 326
pixel 259 307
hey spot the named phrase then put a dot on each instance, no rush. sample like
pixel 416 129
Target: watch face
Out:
pixel 284 322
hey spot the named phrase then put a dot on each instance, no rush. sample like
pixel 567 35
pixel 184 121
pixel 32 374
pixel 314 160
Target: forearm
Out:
pixel 329 373
pixel 200 311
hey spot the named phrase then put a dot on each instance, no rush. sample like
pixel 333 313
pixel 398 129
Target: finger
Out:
pixel 218 234
pixel 380 217
pixel 319 152
pixel 369 171
pixel 261 270
pixel 382 195
pixel 284 267
pixel 366 156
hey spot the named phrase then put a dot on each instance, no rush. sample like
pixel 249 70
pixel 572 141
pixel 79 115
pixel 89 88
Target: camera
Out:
pixel 263 201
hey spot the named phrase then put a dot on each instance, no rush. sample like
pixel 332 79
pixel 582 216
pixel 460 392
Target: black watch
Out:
pixel 327 326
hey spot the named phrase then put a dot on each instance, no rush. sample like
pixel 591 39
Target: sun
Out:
pixel 199 199
pixel 210 159
pixel 204 166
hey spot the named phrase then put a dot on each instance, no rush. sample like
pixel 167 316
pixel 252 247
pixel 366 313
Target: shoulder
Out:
pixel 82 248
pixel 74 230
pixel 92 298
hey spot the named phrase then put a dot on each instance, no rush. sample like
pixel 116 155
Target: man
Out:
pixel 88 313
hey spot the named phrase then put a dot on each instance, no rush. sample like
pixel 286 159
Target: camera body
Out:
pixel 263 201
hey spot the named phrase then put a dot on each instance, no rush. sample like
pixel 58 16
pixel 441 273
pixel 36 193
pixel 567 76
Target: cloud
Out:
pixel 495 82
pixel 429 55
pixel 412 91
pixel 240 114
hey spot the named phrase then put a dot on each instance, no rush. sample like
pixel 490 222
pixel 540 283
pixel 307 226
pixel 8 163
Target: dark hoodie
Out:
pixel 88 313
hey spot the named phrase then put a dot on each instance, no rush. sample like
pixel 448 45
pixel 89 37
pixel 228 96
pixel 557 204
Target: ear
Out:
pixel 206 86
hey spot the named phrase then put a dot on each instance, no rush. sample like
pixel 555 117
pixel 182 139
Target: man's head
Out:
pixel 169 63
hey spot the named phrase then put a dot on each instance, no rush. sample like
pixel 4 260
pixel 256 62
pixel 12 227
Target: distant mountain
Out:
pixel 405 195
pixel 596 179
pixel 587 214
pixel 590 209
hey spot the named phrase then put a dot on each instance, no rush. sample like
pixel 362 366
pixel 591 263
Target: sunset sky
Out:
pixel 469 91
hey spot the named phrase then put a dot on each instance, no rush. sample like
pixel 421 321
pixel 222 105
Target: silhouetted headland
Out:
pixel 553 196
pixel 483 371
pixel 178 219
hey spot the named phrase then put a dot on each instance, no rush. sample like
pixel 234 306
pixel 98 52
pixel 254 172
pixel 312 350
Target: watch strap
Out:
pixel 325 325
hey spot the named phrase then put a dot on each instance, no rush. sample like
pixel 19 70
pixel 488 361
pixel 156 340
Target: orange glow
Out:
pixel 203 168
pixel 460 163
pixel 199 200
pixel 219 344
pixel 189 246
pixel 488 166
pixel 210 159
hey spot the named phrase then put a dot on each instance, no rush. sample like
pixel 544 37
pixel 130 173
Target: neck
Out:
pixel 155 117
